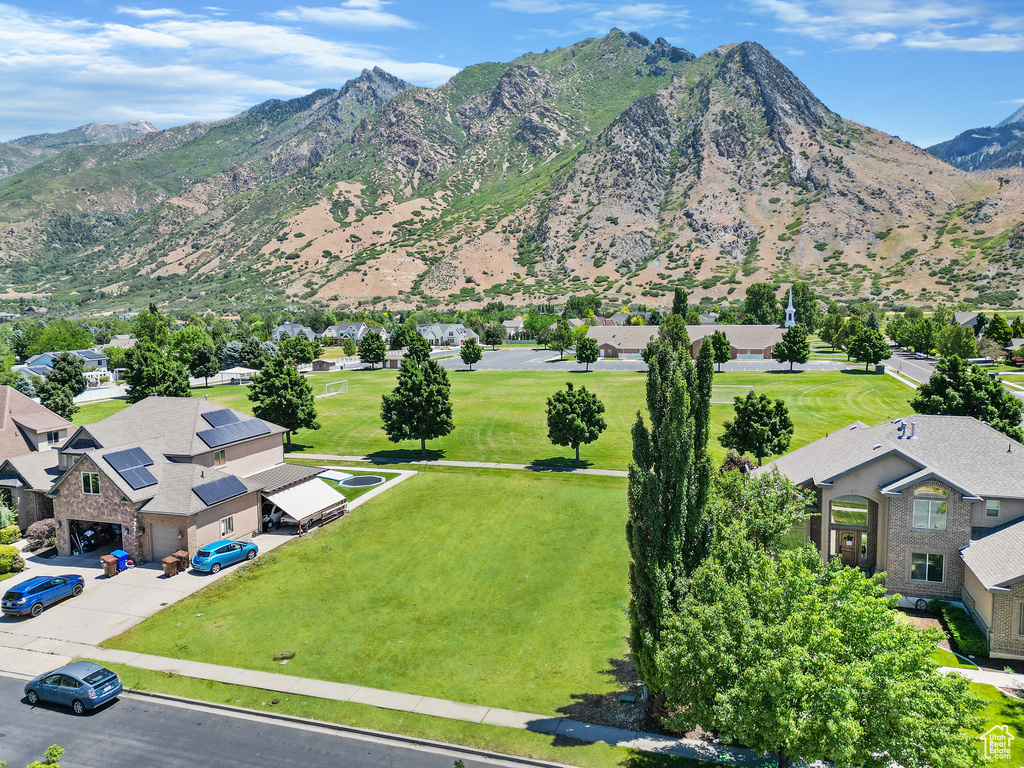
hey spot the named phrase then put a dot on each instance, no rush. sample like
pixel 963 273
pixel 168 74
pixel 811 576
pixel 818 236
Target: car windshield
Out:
pixel 12 595
pixel 203 553
pixel 98 676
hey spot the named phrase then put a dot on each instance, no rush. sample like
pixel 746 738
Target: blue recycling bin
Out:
pixel 122 559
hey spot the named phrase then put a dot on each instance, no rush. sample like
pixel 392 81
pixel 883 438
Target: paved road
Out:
pixel 906 363
pixel 141 733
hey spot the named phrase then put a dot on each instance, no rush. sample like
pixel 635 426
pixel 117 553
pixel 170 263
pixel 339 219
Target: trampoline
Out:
pixel 362 481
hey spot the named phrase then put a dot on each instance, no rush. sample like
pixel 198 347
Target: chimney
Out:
pixel 913 428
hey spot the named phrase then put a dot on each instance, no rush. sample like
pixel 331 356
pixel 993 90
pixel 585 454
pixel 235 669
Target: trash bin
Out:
pixel 122 559
pixel 879 368
pixel 183 559
pixel 170 564
pixel 109 565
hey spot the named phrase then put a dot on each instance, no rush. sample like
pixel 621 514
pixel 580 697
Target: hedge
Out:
pixel 964 632
pixel 10 559
pixel 10 534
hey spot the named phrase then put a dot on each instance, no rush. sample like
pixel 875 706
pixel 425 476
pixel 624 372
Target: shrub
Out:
pixel 963 631
pixel 42 533
pixel 10 560
pixel 10 534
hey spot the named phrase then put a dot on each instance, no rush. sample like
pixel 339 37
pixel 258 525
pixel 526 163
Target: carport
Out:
pixel 306 504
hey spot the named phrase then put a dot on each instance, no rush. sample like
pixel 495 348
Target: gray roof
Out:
pixel 740 336
pixel 283 475
pixel 960 450
pixel 997 559
pixel 965 318
pixel 623 336
pixel 38 470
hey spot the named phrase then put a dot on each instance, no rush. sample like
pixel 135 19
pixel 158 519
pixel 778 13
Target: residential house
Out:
pixel 574 322
pixel 709 319
pixel 446 334
pixel 166 474
pixel 966 319
pixel 6 317
pixel 37 310
pixel 383 333
pixel 936 502
pixel 28 427
pixel 128 316
pixel 341 331
pixel 291 331
pixel 95 364
pixel 121 341
pixel 514 328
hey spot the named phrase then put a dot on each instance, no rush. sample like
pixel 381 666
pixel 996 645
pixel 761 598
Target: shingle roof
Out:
pixel 15 409
pixel 997 559
pixel 740 336
pixel 175 494
pixel 623 336
pixel 39 470
pixel 960 450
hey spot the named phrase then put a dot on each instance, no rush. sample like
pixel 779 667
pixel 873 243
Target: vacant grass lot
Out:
pixel 500 415
pixel 489 587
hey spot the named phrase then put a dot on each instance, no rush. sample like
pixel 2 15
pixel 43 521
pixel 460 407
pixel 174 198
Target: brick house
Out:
pixel 746 342
pixel 167 474
pixel 936 502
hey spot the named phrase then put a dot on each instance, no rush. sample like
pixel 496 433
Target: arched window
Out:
pixel 850 510
pixel 930 508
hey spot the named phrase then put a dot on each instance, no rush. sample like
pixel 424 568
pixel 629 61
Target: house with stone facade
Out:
pixel 934 502
pixel 166 474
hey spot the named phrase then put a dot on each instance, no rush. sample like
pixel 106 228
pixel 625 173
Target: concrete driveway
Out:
pixel 108 606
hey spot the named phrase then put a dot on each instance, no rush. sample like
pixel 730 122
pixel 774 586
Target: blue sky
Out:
pixel 922 69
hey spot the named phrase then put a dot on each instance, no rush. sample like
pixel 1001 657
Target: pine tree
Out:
pixel 282 395
pixel 679 299
pixel 793 347
pixel 999 331
pixel 57 398
pixel 420 406
pixel 68 372
pixel 418 348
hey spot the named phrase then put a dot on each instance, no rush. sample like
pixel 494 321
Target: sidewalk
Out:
pixel 42 658
pixel 988 677
pixel 447 463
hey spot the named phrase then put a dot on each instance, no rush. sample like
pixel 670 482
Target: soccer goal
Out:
pixel 724 394
pixel 335 388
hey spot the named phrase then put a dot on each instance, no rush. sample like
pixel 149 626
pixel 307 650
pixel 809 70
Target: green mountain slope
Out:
pixel 23 153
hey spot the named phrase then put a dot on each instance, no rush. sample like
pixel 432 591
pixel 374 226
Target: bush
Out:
pixel 10 560
pixel 963 631
pixel 10 534
pixel 42 533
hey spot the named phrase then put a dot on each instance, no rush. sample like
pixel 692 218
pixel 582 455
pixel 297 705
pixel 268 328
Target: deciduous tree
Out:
pixel 575 417
pixel 282 395
pixel 372 349
pixel 761 306
pixel 957 388
pixel 587 351
pixel 673 332
pixel 420 406
pixel 999 331
pixel 957 340
pixel 494 335
pixel 148 372
pixel 721 348
pixel 762 427
pixel 348 346
pixel 793 347
pixel 679 299
pixel 561 338
pixel 205 362
pixel 299 350
pixel 68 372
pixel 471 353
pixel 831 329
pixel 869 347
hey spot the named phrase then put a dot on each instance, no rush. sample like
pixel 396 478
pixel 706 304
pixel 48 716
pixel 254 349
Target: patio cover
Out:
pixel 305 500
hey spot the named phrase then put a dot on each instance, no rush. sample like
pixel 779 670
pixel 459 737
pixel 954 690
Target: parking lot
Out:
pixel 106 608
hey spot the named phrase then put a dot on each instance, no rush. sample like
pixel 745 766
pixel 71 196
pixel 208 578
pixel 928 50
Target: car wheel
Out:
pixel 251 554
pixel 78 707
pixel 33 698
pixel 77 590
pixel 215 568
pixel 36 609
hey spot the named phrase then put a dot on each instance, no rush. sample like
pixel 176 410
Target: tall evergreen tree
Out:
pixel 679 299
pixel 417 347
pixel 57 398
pixel 669 525
pixel 999 331
pixel 68 372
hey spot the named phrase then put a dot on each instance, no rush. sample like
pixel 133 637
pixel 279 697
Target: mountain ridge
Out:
pixel 22 153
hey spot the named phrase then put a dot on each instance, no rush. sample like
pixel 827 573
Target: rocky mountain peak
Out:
pixel 1016 117
pixel 373 88
pixel 522 86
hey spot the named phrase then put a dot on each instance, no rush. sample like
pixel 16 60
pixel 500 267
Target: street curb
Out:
pixel 340 728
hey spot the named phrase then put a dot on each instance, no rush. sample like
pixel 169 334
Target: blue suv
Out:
pixel 31 596
pixel 80 685
pixel 212 557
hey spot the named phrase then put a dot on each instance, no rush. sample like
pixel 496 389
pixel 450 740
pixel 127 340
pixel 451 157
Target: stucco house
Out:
pixel 291 331
pixel 354 331
pixel 936 502
pixel 446 334
pixel 515 327
pixel 28 427
pixel 166 474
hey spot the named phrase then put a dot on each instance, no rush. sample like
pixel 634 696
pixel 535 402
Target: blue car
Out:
pixel 33 595
pixel 212 557
pixel 80 685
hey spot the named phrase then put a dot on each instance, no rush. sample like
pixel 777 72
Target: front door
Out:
pixel 849 547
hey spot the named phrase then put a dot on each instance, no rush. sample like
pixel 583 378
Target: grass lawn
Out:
pixel 945 658
pixel 351 494
pixel 500 415
pixel 1001 709
pixel 432 589
pixel 510 741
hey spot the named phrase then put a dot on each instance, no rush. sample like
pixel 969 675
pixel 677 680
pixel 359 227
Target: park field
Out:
pixel 501 588
pixel 500 415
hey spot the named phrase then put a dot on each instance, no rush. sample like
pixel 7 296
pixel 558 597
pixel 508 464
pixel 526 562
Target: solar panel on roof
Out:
pixel 131 465
pixel 138 477
pixel 233 432
pixel 220 418
pixel 219 490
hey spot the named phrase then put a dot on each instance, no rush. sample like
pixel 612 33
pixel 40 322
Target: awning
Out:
pixel 305 500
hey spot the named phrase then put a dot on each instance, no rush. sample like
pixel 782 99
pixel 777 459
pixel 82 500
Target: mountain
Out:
pixel 615 165
pixel 1016 117
pixel 23 153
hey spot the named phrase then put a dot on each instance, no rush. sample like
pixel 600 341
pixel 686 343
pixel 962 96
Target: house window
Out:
pixel 220 458
pixel 925 567
pixel 850 510
pixel 91 483
pixel 930 509
pixel 227 525
pixel 991 507
pixel 53 437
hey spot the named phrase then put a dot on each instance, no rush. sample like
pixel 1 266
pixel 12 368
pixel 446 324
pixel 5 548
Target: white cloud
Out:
pixel 149 13
pixel 59 72
pixel 528 6
pixel 868 24
pixel 353 13
pixel 641 13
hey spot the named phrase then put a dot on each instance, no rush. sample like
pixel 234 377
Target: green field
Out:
pixel 505 589
pixel 500 416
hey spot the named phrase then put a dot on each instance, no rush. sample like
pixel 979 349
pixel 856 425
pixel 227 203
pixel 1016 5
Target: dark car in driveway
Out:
pixel 80 685
pixel 33 595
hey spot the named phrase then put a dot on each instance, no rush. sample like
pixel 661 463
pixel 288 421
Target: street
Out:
pixel 135 732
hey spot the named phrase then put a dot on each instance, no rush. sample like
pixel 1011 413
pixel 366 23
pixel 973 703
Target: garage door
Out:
pixel 165 540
